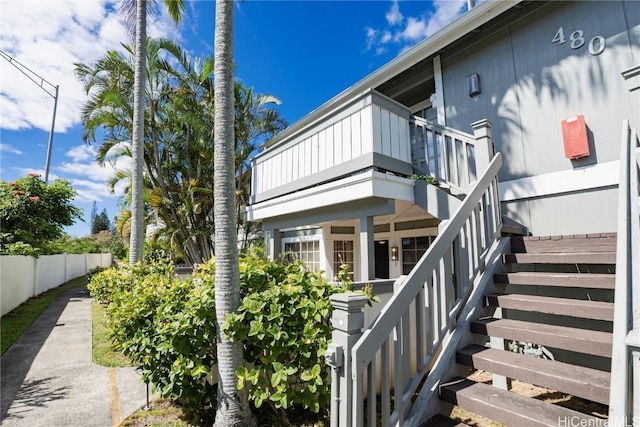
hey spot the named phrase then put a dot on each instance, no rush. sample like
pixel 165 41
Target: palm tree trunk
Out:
pixel 136 243
pixel 233 408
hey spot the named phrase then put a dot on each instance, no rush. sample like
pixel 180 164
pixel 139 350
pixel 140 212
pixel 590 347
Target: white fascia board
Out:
pixel 469 21
pixel 588 178
pixel 365 185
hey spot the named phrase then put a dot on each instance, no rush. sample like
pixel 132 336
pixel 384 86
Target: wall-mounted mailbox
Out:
pixel 574 136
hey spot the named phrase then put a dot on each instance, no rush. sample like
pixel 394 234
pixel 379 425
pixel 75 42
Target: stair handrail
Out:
pixel 624 398
pixel 467 236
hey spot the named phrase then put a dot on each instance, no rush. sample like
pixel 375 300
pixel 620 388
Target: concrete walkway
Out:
pixel 48 377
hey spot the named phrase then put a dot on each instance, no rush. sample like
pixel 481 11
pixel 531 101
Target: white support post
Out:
pixel 367 257
pixel 273 243
pixel 484 145
pixel 347 321
pixel 437 101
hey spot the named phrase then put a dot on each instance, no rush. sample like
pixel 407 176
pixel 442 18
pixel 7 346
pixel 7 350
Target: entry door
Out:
pixel 381 253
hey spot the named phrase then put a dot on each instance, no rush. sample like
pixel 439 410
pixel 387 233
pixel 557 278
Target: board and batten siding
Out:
pixel 371 123
pixel 559 60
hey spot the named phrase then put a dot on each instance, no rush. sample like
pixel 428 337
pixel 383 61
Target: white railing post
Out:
pixel 347 321
pixel 483 146
pixel 625 352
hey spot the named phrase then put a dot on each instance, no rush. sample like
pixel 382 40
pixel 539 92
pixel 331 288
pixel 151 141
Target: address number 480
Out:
pixel 577 40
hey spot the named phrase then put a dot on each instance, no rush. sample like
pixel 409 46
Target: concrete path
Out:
pixel 48 377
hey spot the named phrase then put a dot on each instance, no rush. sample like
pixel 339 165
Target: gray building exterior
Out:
pixel 523 67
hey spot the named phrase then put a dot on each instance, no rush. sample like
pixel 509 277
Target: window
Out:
pixel 308 252
pixel 342 254
pixel 412 250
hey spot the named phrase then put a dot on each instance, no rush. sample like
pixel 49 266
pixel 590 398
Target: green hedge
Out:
pixel 168 326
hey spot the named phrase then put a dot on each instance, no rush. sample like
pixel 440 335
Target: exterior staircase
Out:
pixel 554 301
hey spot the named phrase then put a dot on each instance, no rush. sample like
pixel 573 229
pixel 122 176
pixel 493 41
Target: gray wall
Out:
pixel 530 84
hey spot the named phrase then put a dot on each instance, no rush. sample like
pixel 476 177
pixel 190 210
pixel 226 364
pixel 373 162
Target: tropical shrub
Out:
pixel 284 323
pixel 33 212
pixel 168 326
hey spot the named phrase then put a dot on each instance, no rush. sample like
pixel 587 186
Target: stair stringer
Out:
pixel 434 200
pixel 428 404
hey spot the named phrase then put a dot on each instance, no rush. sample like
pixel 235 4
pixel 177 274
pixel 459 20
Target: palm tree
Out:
pixel 233 407
pixel 175 9
pixel 178 155
pixel 256 121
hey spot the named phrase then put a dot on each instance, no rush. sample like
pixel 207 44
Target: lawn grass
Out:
pixel 14 323
pixel 103 353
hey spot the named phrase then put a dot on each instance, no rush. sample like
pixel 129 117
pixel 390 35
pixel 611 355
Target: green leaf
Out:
pixel 255 328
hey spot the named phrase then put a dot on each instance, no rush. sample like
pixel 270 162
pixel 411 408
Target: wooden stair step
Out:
pixel 442 421
pixel 579 381
pixel 585 243
pixel 597 310
pixel 560 258
pixel 561 337
pixel 509 408
pixel 571 280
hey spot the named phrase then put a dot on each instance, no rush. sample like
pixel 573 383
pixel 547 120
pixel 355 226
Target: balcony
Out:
pixel 370 131
pixel 371 140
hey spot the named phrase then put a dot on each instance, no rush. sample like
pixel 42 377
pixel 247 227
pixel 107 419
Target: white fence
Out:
pixel 23 277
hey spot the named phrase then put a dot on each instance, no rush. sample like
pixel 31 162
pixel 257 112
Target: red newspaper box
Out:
pixel 574 135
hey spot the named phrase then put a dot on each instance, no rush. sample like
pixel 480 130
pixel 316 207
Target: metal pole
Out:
pixel 53 125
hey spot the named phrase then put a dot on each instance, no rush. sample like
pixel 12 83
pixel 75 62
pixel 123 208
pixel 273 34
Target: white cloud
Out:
pixel 403 31
pixel 446 11
pixel 9 149
pixel 48 37
pixel 82 152
pixel 414 30
pixel 88 170
pixel 90 191
pixel 394 17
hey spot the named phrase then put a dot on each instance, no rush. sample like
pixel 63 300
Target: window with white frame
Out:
pixel 412 250
pixel 342 254
pixel 307 251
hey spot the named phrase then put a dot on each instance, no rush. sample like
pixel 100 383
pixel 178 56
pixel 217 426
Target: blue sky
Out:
pixel 303 52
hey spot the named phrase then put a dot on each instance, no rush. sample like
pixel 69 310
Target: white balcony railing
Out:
pixel 371 131
pixel 444 153
pixel 338 144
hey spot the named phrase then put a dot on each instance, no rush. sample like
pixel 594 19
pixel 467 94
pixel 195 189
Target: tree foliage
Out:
pixel 35 213
pixel 134 13
pixel 178 148
pixel 99 221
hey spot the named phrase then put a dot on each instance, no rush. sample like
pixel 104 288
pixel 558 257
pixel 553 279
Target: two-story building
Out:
pixel 336 187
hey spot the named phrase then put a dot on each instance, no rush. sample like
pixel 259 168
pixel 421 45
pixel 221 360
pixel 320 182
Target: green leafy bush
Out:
pixel 429 179
pixel 169 327
pixel 166 325
pixel 34 212
pixel 21 248
pixel 284 322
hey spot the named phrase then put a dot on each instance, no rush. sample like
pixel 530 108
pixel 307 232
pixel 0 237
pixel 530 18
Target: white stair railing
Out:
pixel 422 311
pixel 624 400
